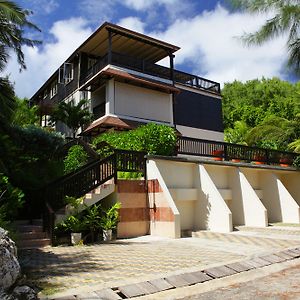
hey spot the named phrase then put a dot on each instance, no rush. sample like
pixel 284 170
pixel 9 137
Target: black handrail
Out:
pixel 49 221
pixel 140 65
pixel 228 151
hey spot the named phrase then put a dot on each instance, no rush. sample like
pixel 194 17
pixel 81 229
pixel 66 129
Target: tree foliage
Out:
pixel 75 158
pixel 285 20
pixel 151 138
pixel 72 114
pixel 262 112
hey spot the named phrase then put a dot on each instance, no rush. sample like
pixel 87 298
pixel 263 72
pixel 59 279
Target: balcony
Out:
pixel 152 69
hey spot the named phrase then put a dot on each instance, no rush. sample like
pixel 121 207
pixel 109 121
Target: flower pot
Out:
pixel 284 162
pixel 76 237
pixel 107 235
pixel 236 160
pixel 259 160
pixel 218 153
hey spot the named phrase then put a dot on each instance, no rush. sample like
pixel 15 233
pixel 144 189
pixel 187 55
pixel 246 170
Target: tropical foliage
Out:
pixel 151 138
pixel 284 20
pixel 73 115
pixel 264 113
pixel 75 158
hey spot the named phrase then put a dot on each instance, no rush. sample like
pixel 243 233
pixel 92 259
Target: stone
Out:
pixel 5 296
pixel 9 265
pixel 24 293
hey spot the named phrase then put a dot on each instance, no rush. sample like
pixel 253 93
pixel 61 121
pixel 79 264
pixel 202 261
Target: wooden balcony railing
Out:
pixel 227 151
pixel 153 69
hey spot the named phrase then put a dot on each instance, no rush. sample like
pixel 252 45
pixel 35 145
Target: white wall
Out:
pixel 142 103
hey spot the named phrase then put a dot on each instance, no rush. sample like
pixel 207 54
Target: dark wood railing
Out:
pixel 131 161
pixel 153 69
pixel 93 174
pixel 49 220
pixel 227 151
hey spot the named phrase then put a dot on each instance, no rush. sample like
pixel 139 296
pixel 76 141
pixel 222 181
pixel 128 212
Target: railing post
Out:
pixel 267 156
pixel 225 152
pixel 115 166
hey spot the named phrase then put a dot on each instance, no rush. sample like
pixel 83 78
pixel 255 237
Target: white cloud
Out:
pixel 133 23
pixel 41 63
pixel 209 43
pixel 44 6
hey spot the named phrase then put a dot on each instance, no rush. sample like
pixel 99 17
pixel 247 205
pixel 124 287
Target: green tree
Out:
pixel 24 114
pixel 285 20
pixel 73 115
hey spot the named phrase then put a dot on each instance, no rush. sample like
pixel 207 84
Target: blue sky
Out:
pixel 206 31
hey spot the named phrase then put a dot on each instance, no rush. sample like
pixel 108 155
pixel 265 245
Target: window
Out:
pixel 91 62
pixel 53 89
pixel 45 94
pixel 66 73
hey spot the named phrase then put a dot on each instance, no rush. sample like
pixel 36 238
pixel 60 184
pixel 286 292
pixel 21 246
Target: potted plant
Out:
pixel 218 154
pixel 92 220
pixel 73 225
pixel 285 161
pixel 109 220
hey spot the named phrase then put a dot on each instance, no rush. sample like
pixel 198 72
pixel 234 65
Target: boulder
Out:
pixel 24 293
pixel 9 265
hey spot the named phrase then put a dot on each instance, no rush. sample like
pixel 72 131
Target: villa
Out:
pixel 209 185
pixel 116 69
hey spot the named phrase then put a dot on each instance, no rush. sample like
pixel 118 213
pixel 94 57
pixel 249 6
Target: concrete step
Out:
pixel 32 235
pixel 30 228
pixel 34 243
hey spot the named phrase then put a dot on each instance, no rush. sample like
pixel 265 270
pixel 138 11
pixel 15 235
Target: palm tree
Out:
pixel 71 114
pixel 13 21
pixel 286 19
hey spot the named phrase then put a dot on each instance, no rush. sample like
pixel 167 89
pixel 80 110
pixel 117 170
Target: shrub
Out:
pixel 75 158
pixel 11 199
pixel 296 162
pixel 152 138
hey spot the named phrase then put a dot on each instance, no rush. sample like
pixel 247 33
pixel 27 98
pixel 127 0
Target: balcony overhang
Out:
pixel 127 42
pixel 123 76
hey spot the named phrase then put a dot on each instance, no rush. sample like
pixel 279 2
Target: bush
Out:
pixel 11 199
pixel 152 138
pixel 75 158
pixel 296 162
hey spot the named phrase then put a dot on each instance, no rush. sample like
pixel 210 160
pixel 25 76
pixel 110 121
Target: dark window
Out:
pixel 99 111
pixel 198 111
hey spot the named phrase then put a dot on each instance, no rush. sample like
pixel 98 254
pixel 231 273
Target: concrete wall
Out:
pixel 134 212
pixel 217 197
pixel 132 101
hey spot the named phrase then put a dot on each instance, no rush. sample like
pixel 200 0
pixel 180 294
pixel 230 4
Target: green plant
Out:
pixel 73 201
pixel 72 114
pixel 110 217
pixel 72 224
pixel 296 162
pixel 75 158
pixel 152 138
pixel 92 219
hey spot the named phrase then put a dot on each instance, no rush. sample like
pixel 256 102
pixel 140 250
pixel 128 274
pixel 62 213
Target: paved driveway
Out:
pixel 72 269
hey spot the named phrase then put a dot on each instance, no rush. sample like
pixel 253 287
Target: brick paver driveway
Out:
pixel 133 260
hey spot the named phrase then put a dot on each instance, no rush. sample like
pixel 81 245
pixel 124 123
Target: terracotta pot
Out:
pixel 236 160
pixel 284 162
pixel 218 153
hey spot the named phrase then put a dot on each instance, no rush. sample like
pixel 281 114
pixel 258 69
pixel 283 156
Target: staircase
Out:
pixel 31 236
pixel 90 198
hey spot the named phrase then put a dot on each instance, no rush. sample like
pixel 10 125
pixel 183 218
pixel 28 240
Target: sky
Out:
pixel 206 30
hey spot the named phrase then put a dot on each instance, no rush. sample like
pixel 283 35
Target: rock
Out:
pixel 9 265
pixel 5 296
pixel 24 293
